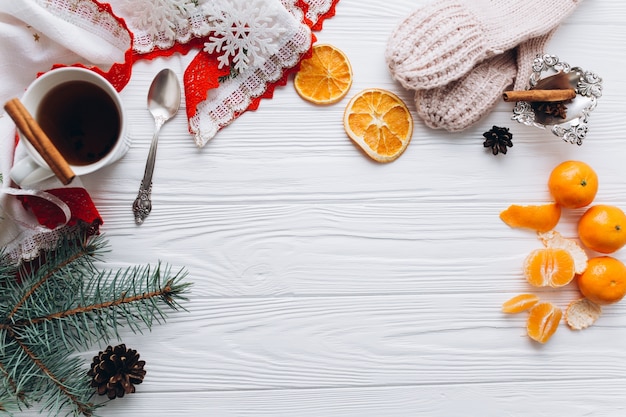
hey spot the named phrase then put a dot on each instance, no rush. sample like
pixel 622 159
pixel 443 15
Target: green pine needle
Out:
pixel 61 303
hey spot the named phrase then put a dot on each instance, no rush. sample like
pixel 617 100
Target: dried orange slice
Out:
pixel 519 303
pixel 541 218
pixel 543 320
pixel 552 267
pixel 325 77
pixel 380 123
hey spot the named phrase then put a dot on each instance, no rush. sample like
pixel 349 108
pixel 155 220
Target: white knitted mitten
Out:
pixel 442 41
pixel 463 102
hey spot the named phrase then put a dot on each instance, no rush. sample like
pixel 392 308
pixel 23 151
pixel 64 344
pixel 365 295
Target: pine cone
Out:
pixel 116 371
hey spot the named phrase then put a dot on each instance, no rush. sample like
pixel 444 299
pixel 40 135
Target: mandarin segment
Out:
pixel 543 321
pixel 554 239
pixel 541 218
pixel 380 123
pixel 325 77
pixel 519 303
pixel 552 267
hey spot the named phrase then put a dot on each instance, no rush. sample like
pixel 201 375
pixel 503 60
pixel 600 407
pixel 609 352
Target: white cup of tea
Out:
pixel 82 114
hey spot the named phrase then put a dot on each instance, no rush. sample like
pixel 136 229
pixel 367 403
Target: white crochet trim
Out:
pixel 198 25
pixel 86 15
pixel 317 8
pixel 236 94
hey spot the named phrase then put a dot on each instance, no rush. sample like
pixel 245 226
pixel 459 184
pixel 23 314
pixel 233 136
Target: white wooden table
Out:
pixel 329 285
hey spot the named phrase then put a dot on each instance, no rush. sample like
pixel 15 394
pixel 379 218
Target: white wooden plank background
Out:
pixel 328 285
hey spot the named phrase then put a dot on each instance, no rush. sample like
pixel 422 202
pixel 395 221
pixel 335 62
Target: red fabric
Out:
pixel 78 200
pixel 119 74
pixel 202 75
pixel 330 13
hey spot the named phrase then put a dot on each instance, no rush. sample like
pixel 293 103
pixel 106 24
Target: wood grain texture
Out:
pixel 328 285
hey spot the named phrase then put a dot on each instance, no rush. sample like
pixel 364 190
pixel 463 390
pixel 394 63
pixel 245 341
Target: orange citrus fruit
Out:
pixel 552 267
pixel 541 218
pixel 543 320
pixel 380 123
pixel 325 77
pixel 602 228
pixel 519 303
pixel 573 184
pixel 604 280
pixel 554 239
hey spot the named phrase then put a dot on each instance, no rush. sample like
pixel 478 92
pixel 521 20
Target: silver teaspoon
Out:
pixel 163 103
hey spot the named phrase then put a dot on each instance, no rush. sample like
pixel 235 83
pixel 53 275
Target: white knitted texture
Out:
pixel 463 102
pixel 443 40
pixel 460 104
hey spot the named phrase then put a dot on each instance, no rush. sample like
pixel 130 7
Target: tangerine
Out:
pixel 604 280
pixel 552 267
pixel 602 228
pixel 573 184
pixel 541 218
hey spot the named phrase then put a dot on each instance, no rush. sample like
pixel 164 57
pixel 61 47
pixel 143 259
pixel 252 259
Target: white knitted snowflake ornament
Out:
pixel 158 16
pixel 243 32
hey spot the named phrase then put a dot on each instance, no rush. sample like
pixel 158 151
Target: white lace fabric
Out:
pixel 90 32
pixel 235 95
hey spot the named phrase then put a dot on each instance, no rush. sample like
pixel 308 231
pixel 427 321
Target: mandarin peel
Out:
pixel 541 218
pixel 554 239
pixel 582 313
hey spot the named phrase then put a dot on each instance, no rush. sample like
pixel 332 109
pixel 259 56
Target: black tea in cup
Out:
pixel 81 120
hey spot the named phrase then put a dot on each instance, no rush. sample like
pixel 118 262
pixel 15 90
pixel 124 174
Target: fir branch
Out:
pixel 74 395
pixel 72 250
pixel 63 303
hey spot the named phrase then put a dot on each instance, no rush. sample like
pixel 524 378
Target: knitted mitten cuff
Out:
pixel 442 41
pixel 461 103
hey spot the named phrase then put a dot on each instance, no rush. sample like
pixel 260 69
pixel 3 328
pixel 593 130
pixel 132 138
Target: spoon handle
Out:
pixel 143 203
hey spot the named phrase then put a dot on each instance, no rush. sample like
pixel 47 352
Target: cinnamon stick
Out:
pixel 40 141
pixel 539 95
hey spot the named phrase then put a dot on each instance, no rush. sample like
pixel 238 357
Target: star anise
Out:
pixel 498 139
pixel 556 109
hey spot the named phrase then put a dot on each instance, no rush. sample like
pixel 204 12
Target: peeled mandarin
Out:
pixel 543 321
pixel 552 267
